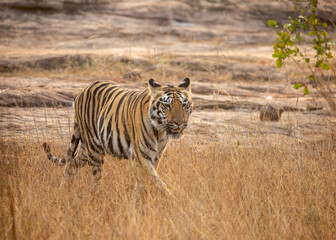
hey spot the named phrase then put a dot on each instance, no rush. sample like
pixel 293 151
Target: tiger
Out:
pixel 127 124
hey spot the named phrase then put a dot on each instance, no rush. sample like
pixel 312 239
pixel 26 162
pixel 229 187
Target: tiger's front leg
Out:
pixel 148 165
pixel 151 169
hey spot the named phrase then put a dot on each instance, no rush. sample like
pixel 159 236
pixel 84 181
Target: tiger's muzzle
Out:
pixel 176 131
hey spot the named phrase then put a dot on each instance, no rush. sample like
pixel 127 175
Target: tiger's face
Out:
pixel 171 107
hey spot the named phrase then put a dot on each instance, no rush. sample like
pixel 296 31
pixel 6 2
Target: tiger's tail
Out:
pixel 76 136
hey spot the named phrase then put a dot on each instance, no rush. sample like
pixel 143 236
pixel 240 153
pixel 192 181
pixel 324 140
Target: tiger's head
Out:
pixel 171 107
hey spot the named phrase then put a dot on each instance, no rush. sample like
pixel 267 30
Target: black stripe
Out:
pixel 97 104
pixel 134 102
pixel 138 98
pixel 119 105
pixel 111 139
pixel 88 122
pixel 93 85
pixel 135 149
pixel 144 155
pixel 148 145
pixel 83 111
pixel 94 115
pixel 104 116
pixel 156 133
pixel 99 87
pixel 101 123
pixel 102 138
pixel 126 118
pixel 146 100
pixel 108 94
pixel 116 119
pixel 108 110
pixel 76 146
pixel 168 92
pixel 142 119
pixel 96 148
pixel 73 139
pixel 103 104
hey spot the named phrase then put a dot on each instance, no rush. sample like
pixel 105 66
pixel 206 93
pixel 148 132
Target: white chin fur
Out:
pixel 175 136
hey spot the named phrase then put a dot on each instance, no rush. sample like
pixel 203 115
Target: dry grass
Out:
pixel 269 187
pixel 233 185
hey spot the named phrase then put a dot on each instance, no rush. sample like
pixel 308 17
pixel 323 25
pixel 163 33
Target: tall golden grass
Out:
pixel 268 187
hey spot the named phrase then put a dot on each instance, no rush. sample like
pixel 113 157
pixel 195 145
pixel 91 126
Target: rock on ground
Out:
pixel 271 112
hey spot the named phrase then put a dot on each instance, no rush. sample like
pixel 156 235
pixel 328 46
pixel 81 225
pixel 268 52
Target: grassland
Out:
pixel 231 176
pixel 253 187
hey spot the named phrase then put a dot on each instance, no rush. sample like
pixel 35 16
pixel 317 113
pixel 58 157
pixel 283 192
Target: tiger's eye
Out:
pixel 166 105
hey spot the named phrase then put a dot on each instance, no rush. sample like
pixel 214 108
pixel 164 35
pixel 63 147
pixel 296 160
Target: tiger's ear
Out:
pixel 185 84
pixel 153 86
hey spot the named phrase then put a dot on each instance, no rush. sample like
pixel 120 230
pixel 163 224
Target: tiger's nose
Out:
pixel 178 123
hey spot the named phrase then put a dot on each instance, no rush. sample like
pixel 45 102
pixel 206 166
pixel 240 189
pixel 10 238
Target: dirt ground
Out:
pixel 51 51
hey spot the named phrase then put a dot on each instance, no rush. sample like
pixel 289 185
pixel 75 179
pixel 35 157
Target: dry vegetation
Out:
pixel 232 176
pixel 246 188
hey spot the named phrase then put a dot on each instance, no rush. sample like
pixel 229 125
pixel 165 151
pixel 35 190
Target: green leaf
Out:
pixel 281 44
pixel 279 62
pixel 272 23
pixel 325 66
pixel 283 55
pixel 290 51
pixel 325 25
pixel 323 33
pixel 307 60
pixel 306 91
pixel 286 25
pixel 293 21
pixel 292 28
pixel 297 86
pixel 311 33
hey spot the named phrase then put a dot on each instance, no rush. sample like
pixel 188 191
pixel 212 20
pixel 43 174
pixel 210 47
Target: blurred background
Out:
pixel 51 50
pixel 168 26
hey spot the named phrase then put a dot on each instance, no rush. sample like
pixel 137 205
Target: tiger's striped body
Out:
pixel 126 124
